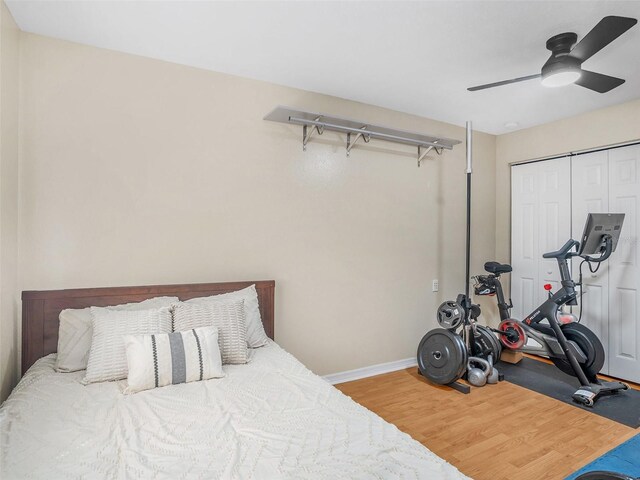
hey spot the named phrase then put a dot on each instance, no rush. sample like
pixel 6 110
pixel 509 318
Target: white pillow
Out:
pixel 108 357
pixel 256 336
pixel 74 333
pixel 228 317
pixel 171 358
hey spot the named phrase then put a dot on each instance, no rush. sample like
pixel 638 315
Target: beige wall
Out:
pixel 9 295
pixel 604 127
pixel 136 171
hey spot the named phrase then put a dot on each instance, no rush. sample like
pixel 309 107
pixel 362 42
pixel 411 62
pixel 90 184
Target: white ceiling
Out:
pixel 416 57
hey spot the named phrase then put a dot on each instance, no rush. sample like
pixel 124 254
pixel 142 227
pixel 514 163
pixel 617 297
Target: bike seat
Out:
pixel 495 267
pixel 564 252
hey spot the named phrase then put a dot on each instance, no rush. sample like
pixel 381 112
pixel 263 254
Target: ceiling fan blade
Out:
pixel 504 82
pixel 605 32
pixel 598 82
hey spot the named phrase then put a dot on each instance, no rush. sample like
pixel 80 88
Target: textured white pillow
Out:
pixel 256 336
pixel 108 357
pixel 228 317
pixel 75 331
pixel 171 358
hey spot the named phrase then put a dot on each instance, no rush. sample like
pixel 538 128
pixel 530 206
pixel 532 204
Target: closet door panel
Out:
pixel 524 238
pixel 541 222
pixel 590 194
pixel 554 199
pixel 624 307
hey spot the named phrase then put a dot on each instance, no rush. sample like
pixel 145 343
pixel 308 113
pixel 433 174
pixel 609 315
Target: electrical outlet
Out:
pixel 435 286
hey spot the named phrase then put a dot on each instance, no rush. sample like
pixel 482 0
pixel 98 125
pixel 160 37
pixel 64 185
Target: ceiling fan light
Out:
pixel 561 78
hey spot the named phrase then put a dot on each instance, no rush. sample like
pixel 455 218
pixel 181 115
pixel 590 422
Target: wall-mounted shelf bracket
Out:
pixel 423 155
pixel 319 123
pixel 307 132
pixel 365 137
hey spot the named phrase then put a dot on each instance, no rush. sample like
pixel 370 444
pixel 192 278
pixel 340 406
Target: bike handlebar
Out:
pixel 564 252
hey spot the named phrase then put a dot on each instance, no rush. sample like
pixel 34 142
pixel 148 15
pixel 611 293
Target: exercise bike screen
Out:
pixel 598 225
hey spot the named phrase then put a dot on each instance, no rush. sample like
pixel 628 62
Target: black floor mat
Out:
pixel 622 407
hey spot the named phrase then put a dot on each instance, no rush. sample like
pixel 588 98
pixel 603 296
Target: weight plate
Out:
pixel 442 356
pixel 498 345
pixel 450 315
pixel 482 345
pixel 485 343
pixel 465 356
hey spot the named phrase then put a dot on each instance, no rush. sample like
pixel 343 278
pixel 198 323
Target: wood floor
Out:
pixel 498 432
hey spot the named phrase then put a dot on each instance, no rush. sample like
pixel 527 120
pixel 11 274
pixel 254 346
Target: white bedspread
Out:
pixel 269 419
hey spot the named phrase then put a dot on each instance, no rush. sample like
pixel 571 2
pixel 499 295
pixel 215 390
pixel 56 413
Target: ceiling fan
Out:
pixel 565 63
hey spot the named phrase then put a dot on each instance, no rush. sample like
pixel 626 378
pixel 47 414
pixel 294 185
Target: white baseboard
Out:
pixel 370 371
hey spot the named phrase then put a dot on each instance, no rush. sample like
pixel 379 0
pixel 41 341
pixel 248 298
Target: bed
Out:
pixel 269 419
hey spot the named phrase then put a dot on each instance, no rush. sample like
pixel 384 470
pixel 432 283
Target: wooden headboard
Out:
pixel 40 309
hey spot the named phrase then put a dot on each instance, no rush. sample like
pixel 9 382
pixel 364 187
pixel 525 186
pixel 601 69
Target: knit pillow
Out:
pixel 75 332
pixel 228 317
pixel 108 357
pixel 256 336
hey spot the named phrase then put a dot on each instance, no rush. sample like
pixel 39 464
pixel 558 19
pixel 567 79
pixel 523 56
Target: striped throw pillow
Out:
pixel 172 358
pixel 227 316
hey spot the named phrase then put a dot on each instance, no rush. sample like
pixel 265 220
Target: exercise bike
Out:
pixel 572 347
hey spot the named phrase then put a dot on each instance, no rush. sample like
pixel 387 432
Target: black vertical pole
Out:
pixel 468 246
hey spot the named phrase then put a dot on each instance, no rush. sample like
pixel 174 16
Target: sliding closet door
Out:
pixel 555 219
pixel 590 194
pixel 540 222
pixel 550 203
pixel 524 238
pixel 624 281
